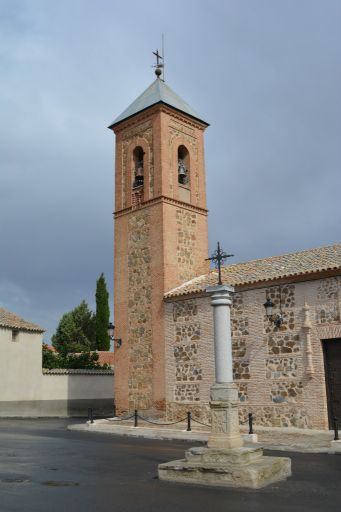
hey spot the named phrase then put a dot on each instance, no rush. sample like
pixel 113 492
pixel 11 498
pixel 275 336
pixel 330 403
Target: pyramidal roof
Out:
pixel 157 92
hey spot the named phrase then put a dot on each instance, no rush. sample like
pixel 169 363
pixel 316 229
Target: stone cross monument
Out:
pixel 225 461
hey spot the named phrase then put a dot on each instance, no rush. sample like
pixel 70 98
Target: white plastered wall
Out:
pixel 25 390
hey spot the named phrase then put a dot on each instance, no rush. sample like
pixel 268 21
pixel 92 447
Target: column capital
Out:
pixel 220 295
pixel 219 288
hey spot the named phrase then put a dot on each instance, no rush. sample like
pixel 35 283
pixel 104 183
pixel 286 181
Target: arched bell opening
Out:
pixel 183 166
pixel 138 157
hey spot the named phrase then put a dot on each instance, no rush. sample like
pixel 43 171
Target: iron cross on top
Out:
pixel 218 257
pixel 158 57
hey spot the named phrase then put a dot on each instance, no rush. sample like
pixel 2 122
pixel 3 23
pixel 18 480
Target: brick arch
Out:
pixel 138 141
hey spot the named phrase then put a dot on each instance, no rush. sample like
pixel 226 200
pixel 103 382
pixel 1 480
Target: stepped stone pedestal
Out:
pixel 225 461
pixel 236 467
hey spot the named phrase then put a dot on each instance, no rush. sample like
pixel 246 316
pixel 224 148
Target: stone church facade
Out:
pixel 282 373
pixel 162 312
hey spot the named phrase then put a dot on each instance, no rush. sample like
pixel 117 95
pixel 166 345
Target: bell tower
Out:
pixel 161 237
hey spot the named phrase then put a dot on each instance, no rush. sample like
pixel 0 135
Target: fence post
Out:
pixel 189 421
pixel 90 415
pixel 250 423
pixel 135 418
pixel 336 429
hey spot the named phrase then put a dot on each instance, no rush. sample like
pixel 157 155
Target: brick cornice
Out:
pixel 161 199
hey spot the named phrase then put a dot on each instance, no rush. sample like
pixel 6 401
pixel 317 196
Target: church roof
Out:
pixel 266 269
pixel 157 92
pixel 13 321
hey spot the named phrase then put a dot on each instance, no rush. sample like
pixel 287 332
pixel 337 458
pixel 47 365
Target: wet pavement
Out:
pixel 46 468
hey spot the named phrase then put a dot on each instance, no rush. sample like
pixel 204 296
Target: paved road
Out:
pixel 46 468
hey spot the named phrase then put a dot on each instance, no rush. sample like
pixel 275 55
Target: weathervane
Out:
pixel 159 65
pixel 218 257
pixel 160 62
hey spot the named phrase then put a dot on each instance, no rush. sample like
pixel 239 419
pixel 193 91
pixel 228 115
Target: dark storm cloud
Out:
pixel 265 74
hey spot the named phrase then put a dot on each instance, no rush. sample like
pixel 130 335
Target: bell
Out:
pixel 182 169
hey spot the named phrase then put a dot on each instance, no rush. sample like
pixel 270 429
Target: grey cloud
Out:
pixel 265 74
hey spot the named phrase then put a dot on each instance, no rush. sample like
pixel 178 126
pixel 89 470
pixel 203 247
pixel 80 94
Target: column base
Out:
pixel 239 467
pixel 224 404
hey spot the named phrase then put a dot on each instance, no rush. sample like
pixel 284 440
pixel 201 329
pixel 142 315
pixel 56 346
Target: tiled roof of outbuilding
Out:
pixel 12 321
pixel 266 269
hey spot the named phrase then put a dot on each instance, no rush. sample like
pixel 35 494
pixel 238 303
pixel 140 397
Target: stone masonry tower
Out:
pixel 161 237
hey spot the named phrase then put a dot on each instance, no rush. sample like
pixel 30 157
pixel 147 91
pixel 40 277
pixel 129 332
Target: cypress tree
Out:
pixel 102 314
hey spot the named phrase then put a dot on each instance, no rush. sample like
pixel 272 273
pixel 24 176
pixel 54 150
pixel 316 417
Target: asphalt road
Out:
pixel 46 468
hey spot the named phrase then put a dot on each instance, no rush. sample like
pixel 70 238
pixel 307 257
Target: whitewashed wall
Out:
pixel 26 391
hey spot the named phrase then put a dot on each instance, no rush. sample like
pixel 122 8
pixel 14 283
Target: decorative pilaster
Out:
pixel 307 326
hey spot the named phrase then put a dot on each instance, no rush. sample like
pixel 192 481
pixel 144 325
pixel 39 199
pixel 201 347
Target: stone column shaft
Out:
pixel 224 393
pixel 221 302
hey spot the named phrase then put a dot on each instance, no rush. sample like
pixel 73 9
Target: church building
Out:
pixel 287 356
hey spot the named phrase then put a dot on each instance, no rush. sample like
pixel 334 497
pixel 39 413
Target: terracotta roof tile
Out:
pixel 105 356
pixel 12 321
pixel 266 269
pixel 76 371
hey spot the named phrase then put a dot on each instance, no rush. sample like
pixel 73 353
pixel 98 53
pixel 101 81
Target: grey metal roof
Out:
pixel 157 92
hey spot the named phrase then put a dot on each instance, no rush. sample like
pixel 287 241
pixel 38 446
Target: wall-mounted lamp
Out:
pixel 117 341
pixel 275 319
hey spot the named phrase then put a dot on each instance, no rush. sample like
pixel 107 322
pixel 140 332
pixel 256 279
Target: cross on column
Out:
pixel 218 257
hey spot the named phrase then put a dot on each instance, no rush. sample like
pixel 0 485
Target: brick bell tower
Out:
pixel 161 237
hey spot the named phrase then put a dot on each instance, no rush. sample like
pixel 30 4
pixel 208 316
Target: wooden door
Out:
pixel 332 359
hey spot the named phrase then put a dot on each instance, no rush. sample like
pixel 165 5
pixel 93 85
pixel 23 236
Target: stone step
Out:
pixel 238 456
pixel 258 474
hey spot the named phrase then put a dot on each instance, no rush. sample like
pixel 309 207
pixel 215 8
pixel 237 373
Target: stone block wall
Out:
pixel 189 358
pixel 186 241
pixel 140 315
pixel 279 380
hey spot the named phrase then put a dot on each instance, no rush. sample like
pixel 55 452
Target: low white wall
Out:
pixel 26 391
pixel 77 386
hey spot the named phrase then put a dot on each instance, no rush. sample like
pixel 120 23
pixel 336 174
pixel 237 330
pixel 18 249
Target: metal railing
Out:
pixel 136 416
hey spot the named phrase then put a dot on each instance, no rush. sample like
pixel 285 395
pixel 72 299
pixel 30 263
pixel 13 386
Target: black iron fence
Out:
pixel 136 416
pixel 189 419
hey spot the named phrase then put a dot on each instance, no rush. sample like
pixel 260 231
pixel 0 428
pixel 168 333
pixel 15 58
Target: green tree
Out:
pixel 76 331
pixel 102 314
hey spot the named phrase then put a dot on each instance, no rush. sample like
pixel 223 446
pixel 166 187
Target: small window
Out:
pixel 138 156
pixel 183 165
pixel 15 334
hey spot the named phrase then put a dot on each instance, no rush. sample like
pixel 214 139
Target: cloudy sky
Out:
pixel 265 73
